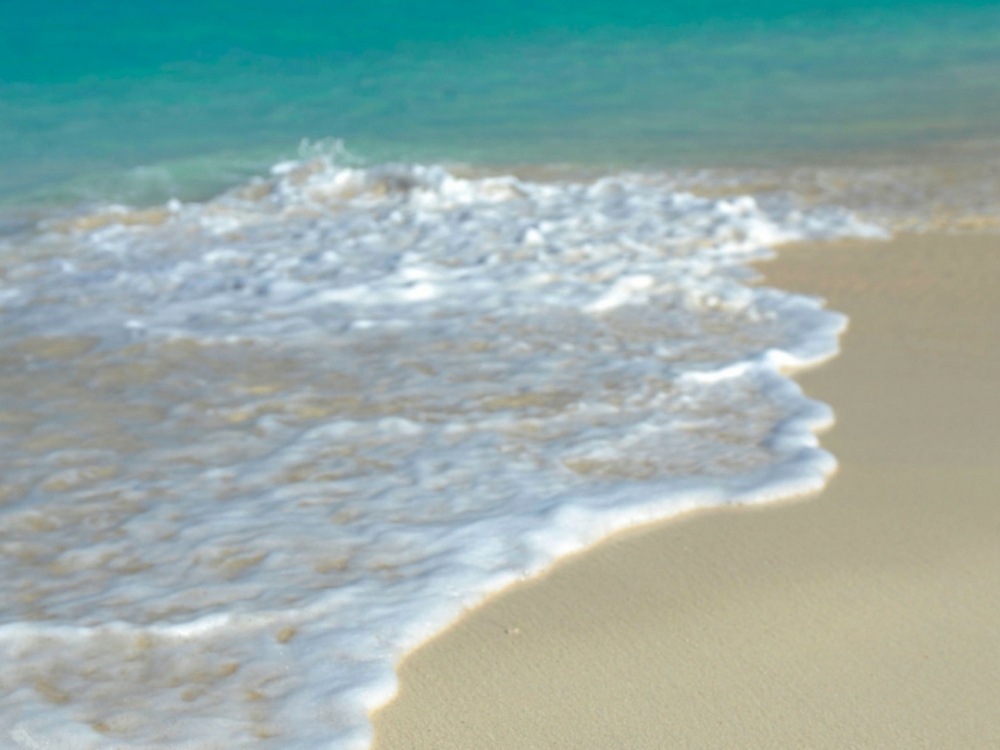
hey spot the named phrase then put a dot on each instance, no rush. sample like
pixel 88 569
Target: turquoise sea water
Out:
pixel 141 101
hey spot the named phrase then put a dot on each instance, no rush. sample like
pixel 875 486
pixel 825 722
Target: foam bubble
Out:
pixel 256 449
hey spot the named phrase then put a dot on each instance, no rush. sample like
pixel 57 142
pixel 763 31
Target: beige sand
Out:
pixel 868 617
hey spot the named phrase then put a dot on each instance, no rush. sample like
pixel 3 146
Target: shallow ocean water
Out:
pixel 140 103
pixel 257 448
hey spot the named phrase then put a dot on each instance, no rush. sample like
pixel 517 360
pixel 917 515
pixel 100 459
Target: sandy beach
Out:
pixel 866 617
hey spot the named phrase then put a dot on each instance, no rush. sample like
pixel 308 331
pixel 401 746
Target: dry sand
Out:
pixel 867 617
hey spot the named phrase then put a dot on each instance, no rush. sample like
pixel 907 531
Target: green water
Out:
pixel 139 101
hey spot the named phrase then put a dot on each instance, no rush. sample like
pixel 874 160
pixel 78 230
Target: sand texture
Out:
pixel 868 617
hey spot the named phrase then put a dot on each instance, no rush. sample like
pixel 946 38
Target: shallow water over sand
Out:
pixel 255 449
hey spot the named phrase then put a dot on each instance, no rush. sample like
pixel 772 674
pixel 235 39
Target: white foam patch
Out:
pixel 256 449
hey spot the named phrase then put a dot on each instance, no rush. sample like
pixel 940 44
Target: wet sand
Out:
pixel 865 617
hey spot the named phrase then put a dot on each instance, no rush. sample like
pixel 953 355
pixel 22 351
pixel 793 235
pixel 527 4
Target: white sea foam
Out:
pixel 256 449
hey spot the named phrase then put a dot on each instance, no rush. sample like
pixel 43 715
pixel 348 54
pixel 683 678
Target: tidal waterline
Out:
pixel 104 100
pixel 256 449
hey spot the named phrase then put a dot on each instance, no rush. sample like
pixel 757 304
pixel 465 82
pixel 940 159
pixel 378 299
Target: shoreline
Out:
pixel 866 616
